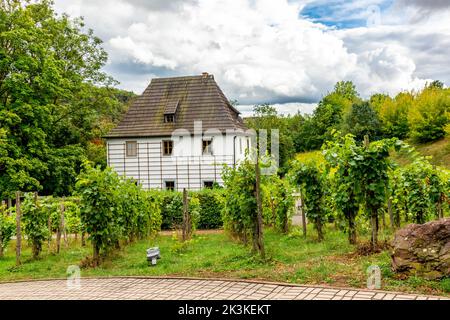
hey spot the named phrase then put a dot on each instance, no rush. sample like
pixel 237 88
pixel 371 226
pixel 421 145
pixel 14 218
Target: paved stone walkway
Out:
pixel 190 289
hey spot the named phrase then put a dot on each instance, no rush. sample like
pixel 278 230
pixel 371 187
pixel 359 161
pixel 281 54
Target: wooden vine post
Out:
pixel 60 228
pixel 63 223
pixel 186 232
pixel 18 230
pixel 391 215
pixel 258 243
pixel 302 207
pixel 1 235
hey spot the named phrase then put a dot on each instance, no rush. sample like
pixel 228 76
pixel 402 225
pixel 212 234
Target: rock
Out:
pixel 423 249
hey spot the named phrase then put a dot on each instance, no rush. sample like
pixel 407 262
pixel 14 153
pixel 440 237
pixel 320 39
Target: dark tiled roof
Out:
pixel 198 97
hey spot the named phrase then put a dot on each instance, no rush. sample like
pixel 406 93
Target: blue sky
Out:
pixel 286 52
pixel 339 14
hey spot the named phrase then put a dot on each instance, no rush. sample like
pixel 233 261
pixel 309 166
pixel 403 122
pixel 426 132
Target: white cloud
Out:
pixel 261 50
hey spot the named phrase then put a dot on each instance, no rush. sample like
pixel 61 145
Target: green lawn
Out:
pixel 291 258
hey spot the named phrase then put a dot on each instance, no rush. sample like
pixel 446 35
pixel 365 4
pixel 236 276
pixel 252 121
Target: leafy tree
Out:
pixel 266 117
pixel 362 120
pixel 49 72
pixel 430 114
pixel 393 114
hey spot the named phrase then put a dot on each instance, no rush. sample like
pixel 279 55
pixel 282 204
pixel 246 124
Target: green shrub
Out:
pixel 445 285
pixel 35 223
pixel 7 228
pixel 211 206
pixel 171 209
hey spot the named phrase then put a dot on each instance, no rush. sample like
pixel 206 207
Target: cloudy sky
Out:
pixel 284 52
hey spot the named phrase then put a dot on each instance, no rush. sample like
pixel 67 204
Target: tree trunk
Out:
pixel 373 220
pixel 18 229
pixel 63 223
pixel 49 225
pixel 1 243
pixel 351 230
pixel 96 255
pixel 383 219
pixel 391 216
pixel 9 203
pixel 439 208
pixel 83 240
pixel 302 206
pixel 186 217
pixel 259 222
pixel 319 229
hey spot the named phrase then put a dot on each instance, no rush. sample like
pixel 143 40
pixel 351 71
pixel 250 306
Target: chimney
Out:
pixel 205 75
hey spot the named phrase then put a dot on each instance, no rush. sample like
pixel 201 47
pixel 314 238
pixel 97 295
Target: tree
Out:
pixel 429 114
pixel 50 67
pixel 362 120
pixel 266 117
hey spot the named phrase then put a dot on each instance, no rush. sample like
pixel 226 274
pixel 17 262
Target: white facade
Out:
pixel 188 166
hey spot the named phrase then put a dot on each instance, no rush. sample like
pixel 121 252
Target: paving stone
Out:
pixel 175 289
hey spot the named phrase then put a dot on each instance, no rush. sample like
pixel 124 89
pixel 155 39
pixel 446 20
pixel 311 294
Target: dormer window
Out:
pixel 169 118
pixel 170 111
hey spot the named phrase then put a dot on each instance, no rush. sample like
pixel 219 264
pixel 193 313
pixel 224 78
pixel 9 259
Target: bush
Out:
pixel 35 223
pixel 171 209
pixel 7 228
pixel 211 206
pixel 113 209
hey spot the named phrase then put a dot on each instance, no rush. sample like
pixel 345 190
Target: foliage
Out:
pixel 240 203
pixel 345 187
pixel 430 114
pixel 419 191
pixel 267 118
pixel 7 227
pixel 53 99
pixel 310 178
pixel 362 120
pixel 34 219
pixel 171 209
pixel 211 206
pixel 278 203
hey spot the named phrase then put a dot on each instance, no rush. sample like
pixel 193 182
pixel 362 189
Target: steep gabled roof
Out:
pixel 191 98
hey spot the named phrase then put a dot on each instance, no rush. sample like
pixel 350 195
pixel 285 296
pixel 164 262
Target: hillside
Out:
pixel 438 150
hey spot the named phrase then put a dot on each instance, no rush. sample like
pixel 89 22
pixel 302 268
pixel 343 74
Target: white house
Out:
pixel 178 134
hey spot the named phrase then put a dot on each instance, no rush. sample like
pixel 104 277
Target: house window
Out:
pixel 131 147
pixel 207 147
pixel 170 185
pixel 169 118
pixel 208 184
pixel 167 147
pixel 248 144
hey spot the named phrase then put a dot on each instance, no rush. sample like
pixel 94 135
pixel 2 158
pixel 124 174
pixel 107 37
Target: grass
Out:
pixel 290 258
pixel 438 150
